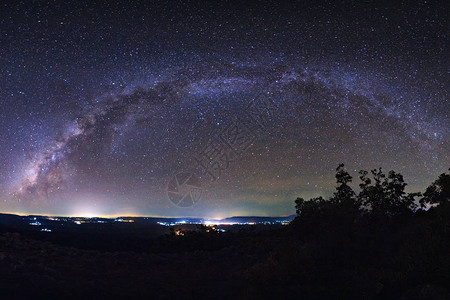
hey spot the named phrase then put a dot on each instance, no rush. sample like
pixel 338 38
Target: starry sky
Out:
pixel 215 109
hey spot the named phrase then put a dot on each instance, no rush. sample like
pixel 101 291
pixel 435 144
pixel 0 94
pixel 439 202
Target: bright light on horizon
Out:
pixel 88 215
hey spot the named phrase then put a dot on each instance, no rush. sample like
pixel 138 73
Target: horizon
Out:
pixel 142 216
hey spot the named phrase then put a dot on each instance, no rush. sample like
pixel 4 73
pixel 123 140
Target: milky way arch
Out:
pixel 319 114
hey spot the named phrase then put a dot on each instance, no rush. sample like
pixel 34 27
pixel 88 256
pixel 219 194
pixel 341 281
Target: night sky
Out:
pixel 214 109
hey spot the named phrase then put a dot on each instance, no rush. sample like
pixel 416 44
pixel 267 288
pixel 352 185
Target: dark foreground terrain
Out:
pixel 407 259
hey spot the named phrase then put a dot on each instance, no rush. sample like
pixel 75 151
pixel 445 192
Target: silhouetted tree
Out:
pixel 344 193
pixel 438 193
pixel 376 247
pixel 370 197
pixel 311 207
pixel 386 195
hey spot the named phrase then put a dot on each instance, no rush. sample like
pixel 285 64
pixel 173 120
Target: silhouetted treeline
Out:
pixel 380 196
pixel 378 243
